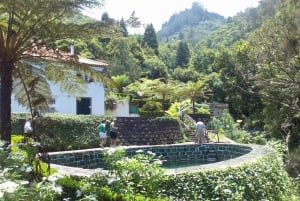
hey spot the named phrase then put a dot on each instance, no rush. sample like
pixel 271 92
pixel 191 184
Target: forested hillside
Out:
pixel 240 26
pixel 213 30
pixel 191 24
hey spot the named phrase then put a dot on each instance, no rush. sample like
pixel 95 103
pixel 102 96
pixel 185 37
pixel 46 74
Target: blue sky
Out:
pixel 158 12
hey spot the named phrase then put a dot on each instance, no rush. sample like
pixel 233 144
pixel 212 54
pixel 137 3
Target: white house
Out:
pixel 91 102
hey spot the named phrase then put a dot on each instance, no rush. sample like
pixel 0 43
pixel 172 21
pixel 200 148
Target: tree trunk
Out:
pixel 193 105
pixel 5 104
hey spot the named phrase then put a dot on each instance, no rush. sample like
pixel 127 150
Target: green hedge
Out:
pixel 63 132
pixel 265 179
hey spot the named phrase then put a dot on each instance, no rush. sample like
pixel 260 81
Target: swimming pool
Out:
pixel 173 155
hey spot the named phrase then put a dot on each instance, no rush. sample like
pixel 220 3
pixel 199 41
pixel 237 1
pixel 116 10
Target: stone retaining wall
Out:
pixel 148 131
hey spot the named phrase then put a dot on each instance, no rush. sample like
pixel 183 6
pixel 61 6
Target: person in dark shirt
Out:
pixel 113 133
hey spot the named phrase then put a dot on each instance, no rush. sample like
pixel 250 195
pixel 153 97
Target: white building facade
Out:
pixel 91 102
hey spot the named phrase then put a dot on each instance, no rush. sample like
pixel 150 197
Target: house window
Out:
pixel 133 108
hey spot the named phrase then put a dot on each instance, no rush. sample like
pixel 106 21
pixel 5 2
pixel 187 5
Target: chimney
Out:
pixel 72 48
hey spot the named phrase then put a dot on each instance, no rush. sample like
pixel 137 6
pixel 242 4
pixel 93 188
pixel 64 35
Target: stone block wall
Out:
pixel 148 131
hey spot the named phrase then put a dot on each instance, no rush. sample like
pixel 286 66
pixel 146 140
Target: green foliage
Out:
pixel 185 74
pixel 20 179
pixel 187 108
pixel 123 28
pixel 232 130
pixel 167 53
pixel 182 54
pixel 70 186
pixel 203 60
pixel 150 38
pixel 240 26
pixel 263 179
pixel 121 81
pixel 156 69
pixel 151 108
pixel 173 110
pixel 277 71
pixel 139 174
pixel 125 57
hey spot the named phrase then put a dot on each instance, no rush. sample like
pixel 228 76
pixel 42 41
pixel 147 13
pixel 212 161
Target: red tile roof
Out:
pixel 51 54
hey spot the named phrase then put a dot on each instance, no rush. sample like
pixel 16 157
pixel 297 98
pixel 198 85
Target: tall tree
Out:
pixel 277 49
pixel 155 68
pixel 105 17
pixel 123 58
pixel 182 54
pixel 123 27
pixel 150 38
pixel 28 30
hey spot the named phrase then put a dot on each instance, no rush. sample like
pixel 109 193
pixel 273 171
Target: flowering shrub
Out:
pixel 139 174
pixel 16 175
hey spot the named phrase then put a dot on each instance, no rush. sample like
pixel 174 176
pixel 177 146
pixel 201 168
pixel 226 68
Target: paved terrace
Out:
pixel 258 151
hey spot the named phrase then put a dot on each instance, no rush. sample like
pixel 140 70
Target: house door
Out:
pixel 84 105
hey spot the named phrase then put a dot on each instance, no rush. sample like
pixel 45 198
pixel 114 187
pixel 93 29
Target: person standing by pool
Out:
pixel 200 131
pixel 102 133
pixel 113 133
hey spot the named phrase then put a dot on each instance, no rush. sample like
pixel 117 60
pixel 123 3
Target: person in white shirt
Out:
pixel 27 127
pixel 200 131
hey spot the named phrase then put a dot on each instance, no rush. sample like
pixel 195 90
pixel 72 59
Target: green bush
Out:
pixel 70 185
pixel 152 109
pixel 233 131
pixel 143 113
pixel 139 174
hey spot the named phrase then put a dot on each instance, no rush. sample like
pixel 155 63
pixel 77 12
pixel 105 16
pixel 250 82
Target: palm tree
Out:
pixel 120 82
pixel 194 90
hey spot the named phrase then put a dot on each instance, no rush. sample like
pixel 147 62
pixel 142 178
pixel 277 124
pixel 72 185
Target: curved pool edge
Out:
pixel 258 151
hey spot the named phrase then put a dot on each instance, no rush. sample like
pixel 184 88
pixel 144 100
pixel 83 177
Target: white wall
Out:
pixel 66 104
